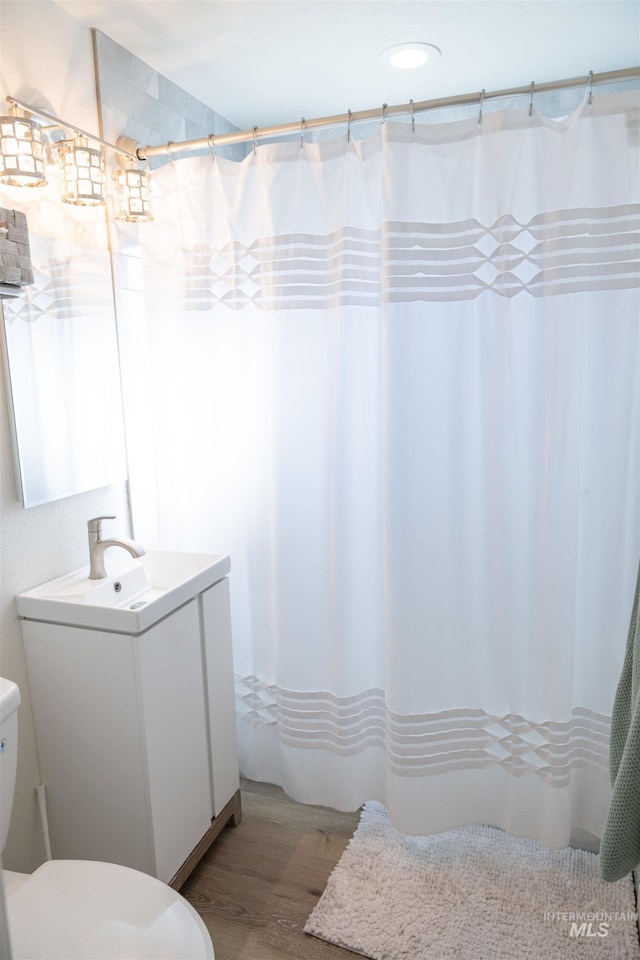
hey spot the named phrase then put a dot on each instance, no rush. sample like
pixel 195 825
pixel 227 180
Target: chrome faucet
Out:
pixel 97 547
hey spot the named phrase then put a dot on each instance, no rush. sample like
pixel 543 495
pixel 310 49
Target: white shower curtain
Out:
pixel 398 380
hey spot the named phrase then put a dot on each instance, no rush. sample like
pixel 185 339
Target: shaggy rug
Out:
pixel 471 894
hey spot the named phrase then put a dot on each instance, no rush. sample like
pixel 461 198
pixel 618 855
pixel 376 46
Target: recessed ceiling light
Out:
pixel 409 56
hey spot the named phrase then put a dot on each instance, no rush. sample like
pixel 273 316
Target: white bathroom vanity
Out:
pixel 133 698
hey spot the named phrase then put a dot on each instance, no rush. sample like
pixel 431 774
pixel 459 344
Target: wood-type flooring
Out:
pixel 258 883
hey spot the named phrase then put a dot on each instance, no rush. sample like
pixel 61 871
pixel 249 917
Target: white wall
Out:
pixel 45 59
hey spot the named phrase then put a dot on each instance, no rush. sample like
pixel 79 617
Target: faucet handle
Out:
pixel 95 524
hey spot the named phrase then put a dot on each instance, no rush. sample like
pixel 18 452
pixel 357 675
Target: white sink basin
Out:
pixel 135 595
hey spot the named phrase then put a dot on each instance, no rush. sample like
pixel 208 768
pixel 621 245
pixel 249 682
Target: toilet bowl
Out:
pixel 83 909
pixel 80 909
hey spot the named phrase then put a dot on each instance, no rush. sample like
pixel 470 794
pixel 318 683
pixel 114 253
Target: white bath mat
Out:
pixel 471 894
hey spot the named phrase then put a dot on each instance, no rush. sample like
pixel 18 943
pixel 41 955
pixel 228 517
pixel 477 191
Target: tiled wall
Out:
pixel 136 101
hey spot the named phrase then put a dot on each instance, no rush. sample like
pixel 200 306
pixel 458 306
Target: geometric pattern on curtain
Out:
pixel 556 252
pixel 427 744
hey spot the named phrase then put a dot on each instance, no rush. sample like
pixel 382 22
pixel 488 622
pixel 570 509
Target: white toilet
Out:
pixel 82 909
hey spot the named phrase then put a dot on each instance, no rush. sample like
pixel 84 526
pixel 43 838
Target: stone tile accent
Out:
pixel 15 258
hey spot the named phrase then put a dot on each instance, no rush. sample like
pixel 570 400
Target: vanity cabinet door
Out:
pixel 218 658
pixel 173 720
pixel 86 713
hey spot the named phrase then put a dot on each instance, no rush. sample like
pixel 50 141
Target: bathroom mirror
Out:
pixel 63 382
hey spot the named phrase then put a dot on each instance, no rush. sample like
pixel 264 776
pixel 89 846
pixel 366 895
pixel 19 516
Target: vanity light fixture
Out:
pixel 83 172
pixel 81 159
pixel 21 151
pixel 409 56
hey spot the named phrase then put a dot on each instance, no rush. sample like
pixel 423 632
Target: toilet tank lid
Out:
pixel 9 698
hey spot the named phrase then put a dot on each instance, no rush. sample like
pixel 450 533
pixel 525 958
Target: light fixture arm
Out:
pixel 56 121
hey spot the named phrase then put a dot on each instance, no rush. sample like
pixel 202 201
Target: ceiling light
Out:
pixel 409 56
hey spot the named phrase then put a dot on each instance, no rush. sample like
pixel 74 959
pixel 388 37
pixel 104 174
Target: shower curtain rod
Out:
pixel 243 136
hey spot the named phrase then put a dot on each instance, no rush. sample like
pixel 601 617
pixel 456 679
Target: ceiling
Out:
pixel 263 62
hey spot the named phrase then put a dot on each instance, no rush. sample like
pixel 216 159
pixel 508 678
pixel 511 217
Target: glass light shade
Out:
pixel 132 194
pixel 83 173
pixel 21 153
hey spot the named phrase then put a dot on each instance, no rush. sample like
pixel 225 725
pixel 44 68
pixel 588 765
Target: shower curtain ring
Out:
pixel 348 126
pixel 413 119
pixel 170 152
pixel 481 106
pixel 384 107
pixel 212 147
pixel 590 86
pixel 302 133
pixel 255 130
pixel 531 98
